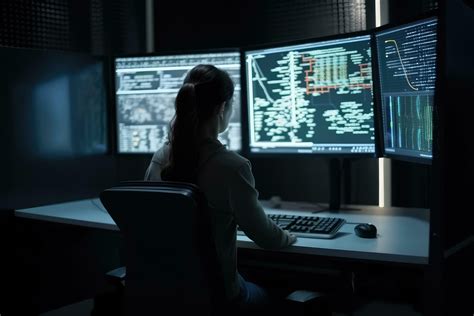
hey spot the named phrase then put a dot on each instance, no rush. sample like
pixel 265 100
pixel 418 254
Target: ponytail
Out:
pixel 205 88
pixel 183 131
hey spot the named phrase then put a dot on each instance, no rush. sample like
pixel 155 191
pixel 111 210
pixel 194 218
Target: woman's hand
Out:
pixel 293 239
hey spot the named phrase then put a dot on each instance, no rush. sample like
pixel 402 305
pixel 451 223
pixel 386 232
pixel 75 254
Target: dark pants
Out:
pixel 252 296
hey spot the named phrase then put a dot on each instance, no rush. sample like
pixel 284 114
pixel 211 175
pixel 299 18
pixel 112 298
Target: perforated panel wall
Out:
pixel 307 18
pixel 430 5
pixel 401 11
pixel 35 24
pixel 126 26
pixel 97 26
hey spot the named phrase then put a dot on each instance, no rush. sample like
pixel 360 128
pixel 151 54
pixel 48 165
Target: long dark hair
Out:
pixel 204 89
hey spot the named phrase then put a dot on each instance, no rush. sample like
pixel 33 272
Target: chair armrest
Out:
pixel 301 296
pixel 116 275
pixel 109 300
pixel 307 303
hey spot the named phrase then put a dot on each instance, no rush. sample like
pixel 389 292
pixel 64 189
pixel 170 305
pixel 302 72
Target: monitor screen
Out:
pixel 407 72
pixel 311 98
pixel 54 104
pixel 53 127
pixel 146 88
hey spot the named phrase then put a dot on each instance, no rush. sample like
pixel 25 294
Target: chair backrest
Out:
pixel 169 248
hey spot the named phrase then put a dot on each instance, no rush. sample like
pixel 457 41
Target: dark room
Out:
pixel 239 157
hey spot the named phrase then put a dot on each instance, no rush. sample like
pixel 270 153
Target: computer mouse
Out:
pixel 366 230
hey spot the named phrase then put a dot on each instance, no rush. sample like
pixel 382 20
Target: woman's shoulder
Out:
pixel 234 158
pixel 218 156
pixel 161 156
pixel 231 161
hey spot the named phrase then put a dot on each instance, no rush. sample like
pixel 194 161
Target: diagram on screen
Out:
pixel 311 94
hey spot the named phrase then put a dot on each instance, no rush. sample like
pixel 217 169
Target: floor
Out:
pixel 375 308
pixel 385 309
pixel 79 309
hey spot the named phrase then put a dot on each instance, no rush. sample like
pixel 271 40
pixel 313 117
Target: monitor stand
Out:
pixel 338 168
pixel 335 181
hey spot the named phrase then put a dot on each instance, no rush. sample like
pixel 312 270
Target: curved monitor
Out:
pixel 146 88
pixel 311 98
pixel 407 72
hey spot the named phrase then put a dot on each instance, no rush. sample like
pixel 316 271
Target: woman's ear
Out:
pixel 221 108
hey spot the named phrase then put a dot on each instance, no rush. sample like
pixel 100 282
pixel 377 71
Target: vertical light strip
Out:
pixel 381 183
pixel 150 26
pixel 378 13
pixel 385 187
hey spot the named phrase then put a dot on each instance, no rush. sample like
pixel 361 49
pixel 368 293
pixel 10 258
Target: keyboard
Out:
pixel 307 226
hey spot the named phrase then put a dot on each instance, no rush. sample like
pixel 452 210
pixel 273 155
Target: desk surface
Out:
pixel 403 234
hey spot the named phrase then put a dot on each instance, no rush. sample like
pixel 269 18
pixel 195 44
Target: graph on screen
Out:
pixel 407 68
pixel 311 98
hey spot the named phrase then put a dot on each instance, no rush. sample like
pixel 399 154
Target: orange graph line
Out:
pixel 401 62
pixel 311 61
pixel 364 70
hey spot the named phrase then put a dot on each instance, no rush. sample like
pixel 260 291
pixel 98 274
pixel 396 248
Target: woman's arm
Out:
pixel 153 172
pixel 250 215
pixel 157 163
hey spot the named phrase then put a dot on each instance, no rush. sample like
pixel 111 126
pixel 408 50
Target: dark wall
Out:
pixel 400 10
pixel 46 49
pixel 97 26
pixel 451 245
pixel 455 126
pixel 203 24
pixel 60 265
pixel 54 122
pixel 7 264
pixel 211 23
pixel 411 184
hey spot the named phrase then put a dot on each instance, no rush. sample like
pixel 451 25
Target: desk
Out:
pixel 403 234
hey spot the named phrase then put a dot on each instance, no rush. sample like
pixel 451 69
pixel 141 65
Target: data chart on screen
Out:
pixel 314 97
pixel 407 71
pixel 146 88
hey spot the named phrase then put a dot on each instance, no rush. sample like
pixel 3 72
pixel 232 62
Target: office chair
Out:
pixel 171 265
pixel 170 258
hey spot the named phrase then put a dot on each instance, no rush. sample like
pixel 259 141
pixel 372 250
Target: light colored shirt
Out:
pixel 228 184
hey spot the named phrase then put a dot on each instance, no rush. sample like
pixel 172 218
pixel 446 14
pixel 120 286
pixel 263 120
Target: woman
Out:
pixel 193 154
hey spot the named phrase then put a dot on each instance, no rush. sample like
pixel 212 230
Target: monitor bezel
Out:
pixel 246 127
pixel 377 86
pixel 162 52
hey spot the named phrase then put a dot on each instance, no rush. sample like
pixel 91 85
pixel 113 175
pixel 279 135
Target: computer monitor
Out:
pixel 312 97
pixel 53 104
pixel 146 88
pixel 407 73
pixel 53 127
